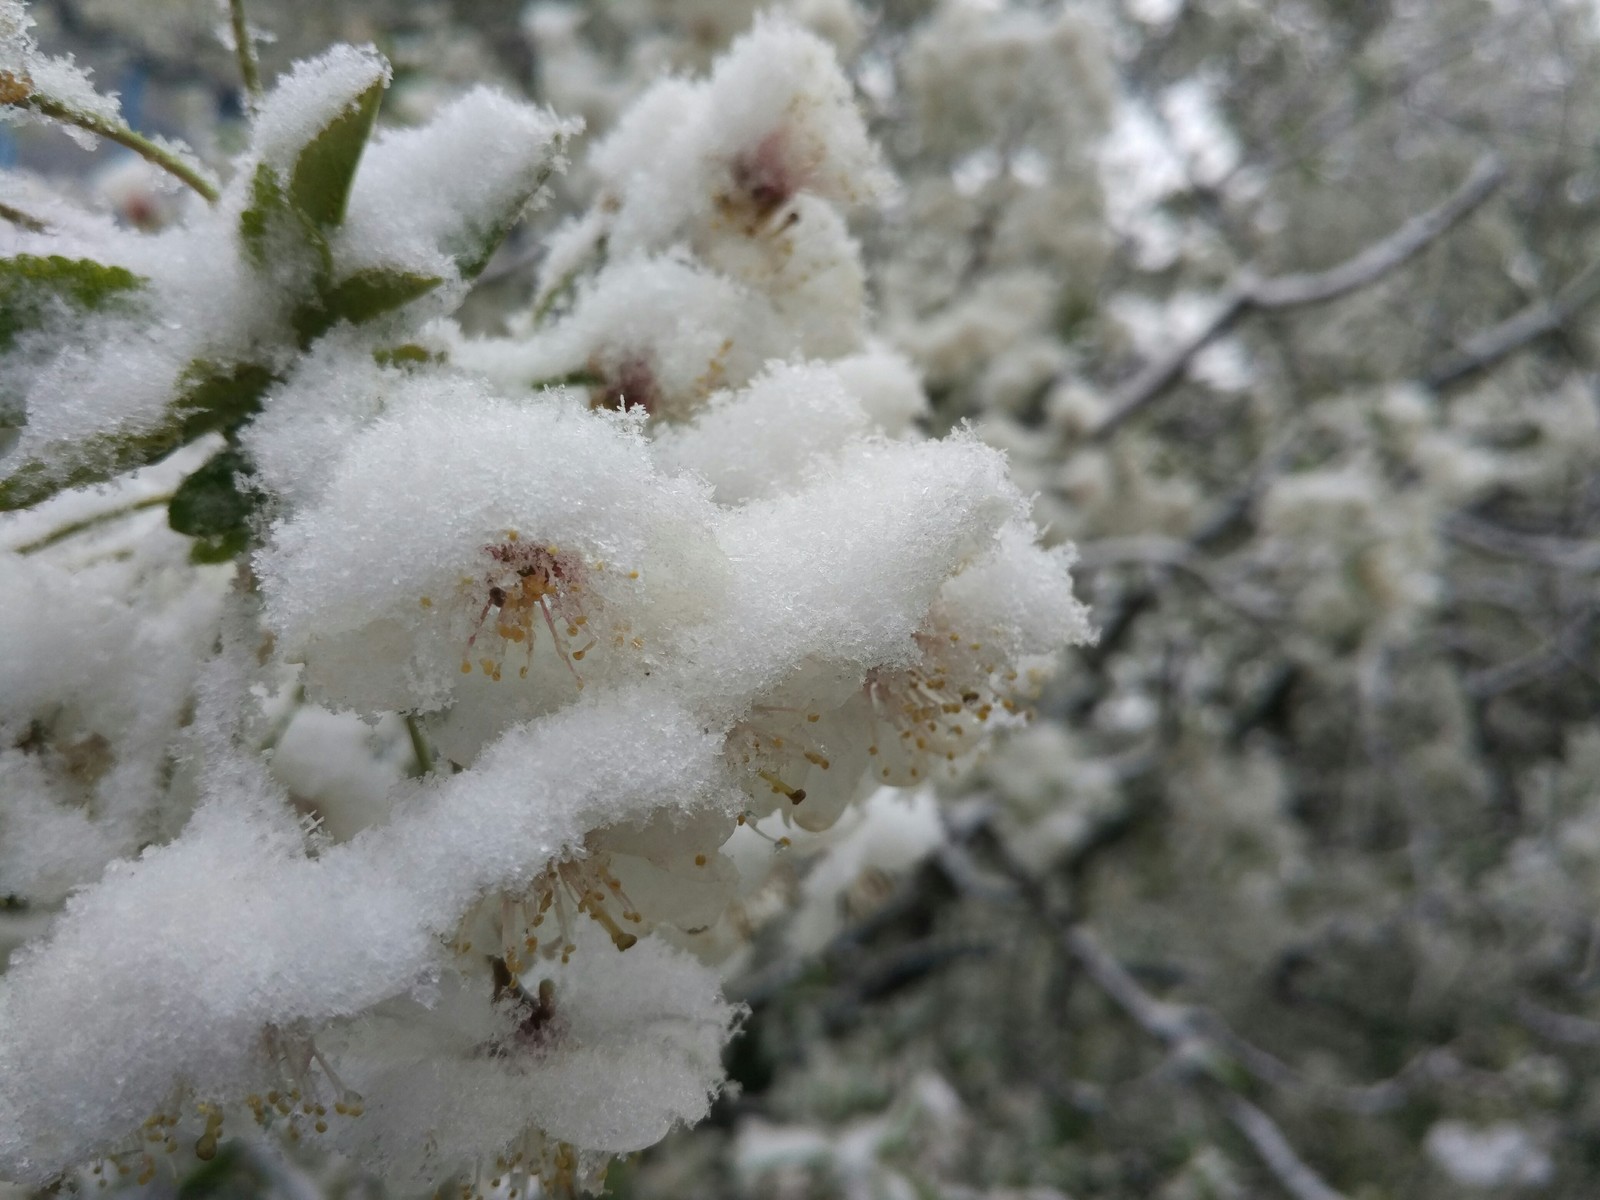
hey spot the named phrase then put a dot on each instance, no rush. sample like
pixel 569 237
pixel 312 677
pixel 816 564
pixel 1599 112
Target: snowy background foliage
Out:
pixel 491 498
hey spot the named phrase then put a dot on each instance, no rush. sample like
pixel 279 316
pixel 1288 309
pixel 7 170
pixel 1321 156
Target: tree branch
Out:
pixel 1249 293
pixel 1483 350
pixel 1179 556
pixel 1562 1028
pixel 1298 1179
pixel 1176 1028
pixel 1181 1031
pixel 1372 264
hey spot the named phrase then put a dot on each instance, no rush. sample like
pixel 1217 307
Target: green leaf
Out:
pixel 210 502
pixel 319 185
pixel 409 354
pixel 374 291
pixel 220 548
pixel 213 397
pixel 270 226
pixel 210 397
pixel 267 206
pixel 475 258
pixel 360 297
pixel 33 286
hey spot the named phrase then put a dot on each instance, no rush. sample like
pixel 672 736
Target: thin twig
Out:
pixel 1179 556
pixel 1181 1031
pixel 1562 1028
pixel 87 523
pixel 1249 293
pixel 1298 1179
pixel 1562 651
pixel 147 149
pixel 244 47
pixel 1565 554
pixel 1175 1027
pixel 1377 260
pixel 17 217
pixel 1483 350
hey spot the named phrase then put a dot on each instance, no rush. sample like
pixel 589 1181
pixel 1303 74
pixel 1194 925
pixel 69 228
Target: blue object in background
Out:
pixel 130 88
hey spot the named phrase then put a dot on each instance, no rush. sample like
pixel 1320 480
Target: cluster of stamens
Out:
pixel 630 381
pixel 540 922
pixel 308 1087
pixel 539 1165
pixel 765 178
pixel 527 587
pixel 757 745
pixel 935 710
pixel 159 1133
pixel 298 1101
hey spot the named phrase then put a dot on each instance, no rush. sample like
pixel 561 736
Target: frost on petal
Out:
pixel 775 121
pixel 308 422
pixel 545 551
pixel 767 437
pixel 985 650
pixel 891 521
pixel 809 268
pixel 642 140
pixel 887 385
pixel 957 653
pixel 641 1053
pixel 608 1054
pixel 98 1024
pixel 96 669
pixel 787 120
pixel 1018 598
pixel 340 769
pixel 146 989
pixel 657 334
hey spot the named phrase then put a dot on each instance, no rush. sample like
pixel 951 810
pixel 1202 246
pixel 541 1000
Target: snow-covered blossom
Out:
pixel 396 850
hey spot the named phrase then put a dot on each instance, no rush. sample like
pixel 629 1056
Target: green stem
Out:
pixel 105 518
pixel 244 49
pixel 563 287
pixel 296 702
pixel 17 217
pixel 122 135
pixel 574 379
pixel 419 746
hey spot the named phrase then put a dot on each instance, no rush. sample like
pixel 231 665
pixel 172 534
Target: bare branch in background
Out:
pixel 1181 1031
pixel 1484 350
pixel 1247 293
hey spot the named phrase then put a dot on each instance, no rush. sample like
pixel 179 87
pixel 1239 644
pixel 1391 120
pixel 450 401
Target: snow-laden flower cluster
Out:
pixel 669 560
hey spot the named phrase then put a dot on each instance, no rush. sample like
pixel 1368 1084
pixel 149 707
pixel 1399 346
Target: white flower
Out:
pixel 494 557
